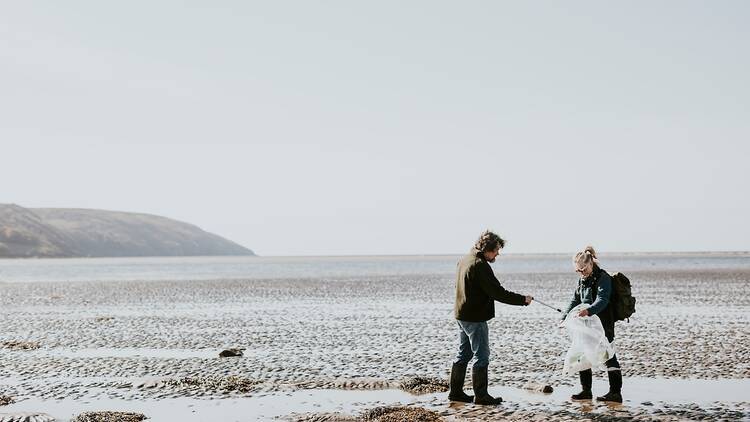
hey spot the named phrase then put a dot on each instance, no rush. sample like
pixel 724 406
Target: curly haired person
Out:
pixel 477 289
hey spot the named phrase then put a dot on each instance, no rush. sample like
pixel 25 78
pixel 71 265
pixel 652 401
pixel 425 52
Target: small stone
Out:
pixel 228 353
pixel 104 318
pixel 534 386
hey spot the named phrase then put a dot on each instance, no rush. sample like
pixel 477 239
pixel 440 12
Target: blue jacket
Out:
pixel 598 299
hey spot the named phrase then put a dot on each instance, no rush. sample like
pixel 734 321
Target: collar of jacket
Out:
pixel 594 275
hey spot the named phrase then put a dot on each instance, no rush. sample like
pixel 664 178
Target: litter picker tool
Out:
pixel 549 306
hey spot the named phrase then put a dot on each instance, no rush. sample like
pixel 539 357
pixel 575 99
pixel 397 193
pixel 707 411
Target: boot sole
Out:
pixel 489 404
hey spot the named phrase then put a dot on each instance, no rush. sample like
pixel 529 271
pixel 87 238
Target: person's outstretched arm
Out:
pixel 492 287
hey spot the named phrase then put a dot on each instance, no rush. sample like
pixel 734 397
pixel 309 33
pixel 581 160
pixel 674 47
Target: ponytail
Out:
pixel 584 257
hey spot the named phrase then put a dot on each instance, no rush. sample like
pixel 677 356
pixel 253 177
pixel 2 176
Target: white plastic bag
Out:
pixel 589 346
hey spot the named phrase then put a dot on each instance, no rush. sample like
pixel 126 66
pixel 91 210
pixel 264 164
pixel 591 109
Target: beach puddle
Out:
pixel 260 407
pixel 644 390
pixel 642 396
pixel 671 390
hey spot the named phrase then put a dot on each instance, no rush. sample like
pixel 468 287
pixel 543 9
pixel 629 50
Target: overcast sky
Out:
pixel 351 127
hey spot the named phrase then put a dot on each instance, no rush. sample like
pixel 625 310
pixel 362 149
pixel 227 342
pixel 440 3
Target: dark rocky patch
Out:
pixel 109 417
pixel 424 385
pixel 322 417
pixel 210 383
pixel 400 414
pixel 19 345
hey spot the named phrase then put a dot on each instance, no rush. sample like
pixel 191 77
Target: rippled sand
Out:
pixel 152 347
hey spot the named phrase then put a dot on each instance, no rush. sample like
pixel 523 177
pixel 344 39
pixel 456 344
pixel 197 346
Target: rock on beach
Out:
pixel 108 416
pixel 424 385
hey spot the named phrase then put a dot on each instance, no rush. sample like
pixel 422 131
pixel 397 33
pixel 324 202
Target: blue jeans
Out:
pixel 473 340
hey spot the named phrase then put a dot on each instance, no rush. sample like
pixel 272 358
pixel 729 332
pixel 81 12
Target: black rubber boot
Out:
pixel 479 381
pixel 585 393
pixel 456 392
pixel 615 387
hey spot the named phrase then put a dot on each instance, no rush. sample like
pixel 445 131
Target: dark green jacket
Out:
pixel 477 289
pixel 598 298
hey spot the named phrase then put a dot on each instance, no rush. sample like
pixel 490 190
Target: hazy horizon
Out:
pixel 436 254
pixel 342 129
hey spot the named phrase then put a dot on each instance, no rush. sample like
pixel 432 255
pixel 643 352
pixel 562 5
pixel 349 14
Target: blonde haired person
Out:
pixel 595 288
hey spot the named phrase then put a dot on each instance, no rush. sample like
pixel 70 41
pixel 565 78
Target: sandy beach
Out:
pixel 344 347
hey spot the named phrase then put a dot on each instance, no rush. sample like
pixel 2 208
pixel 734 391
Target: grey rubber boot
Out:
pixel 479 381
pixel 585 393
pixel 456 392
pixel 615 387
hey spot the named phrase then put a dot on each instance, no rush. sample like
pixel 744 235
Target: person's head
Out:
pixel 489 245
pixel 584 261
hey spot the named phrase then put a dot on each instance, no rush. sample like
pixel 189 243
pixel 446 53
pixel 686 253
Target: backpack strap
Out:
pixel 595 284
pixel 595 287
pixel 609 309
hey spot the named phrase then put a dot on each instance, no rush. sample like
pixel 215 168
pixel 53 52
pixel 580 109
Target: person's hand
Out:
pixel 529 299
pixel 584 312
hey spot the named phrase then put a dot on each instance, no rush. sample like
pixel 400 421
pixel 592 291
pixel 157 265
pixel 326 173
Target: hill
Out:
pixel 63 232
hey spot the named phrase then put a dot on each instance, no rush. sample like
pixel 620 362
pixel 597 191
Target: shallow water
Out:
pixel 274 405
pixel 260 408
pixel 213 268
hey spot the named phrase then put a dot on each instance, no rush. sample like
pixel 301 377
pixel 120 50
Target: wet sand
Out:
pixel 320 349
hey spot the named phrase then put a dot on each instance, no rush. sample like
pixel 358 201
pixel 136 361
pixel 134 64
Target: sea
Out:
pixel 317 267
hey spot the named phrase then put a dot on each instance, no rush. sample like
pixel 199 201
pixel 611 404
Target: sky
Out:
pixel 388 127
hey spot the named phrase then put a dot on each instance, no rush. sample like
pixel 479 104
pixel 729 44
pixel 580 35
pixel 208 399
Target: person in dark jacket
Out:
pixel 595 288
pixel 477 289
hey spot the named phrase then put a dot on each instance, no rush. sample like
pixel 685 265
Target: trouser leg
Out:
pixel 479 338
pixel 464 346
pixel 478 334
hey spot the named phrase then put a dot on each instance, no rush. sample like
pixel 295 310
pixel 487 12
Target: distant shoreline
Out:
pixel 603 254
pixel 386 256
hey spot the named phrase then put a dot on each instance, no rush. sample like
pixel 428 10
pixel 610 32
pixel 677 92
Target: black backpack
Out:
pixel 622 301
